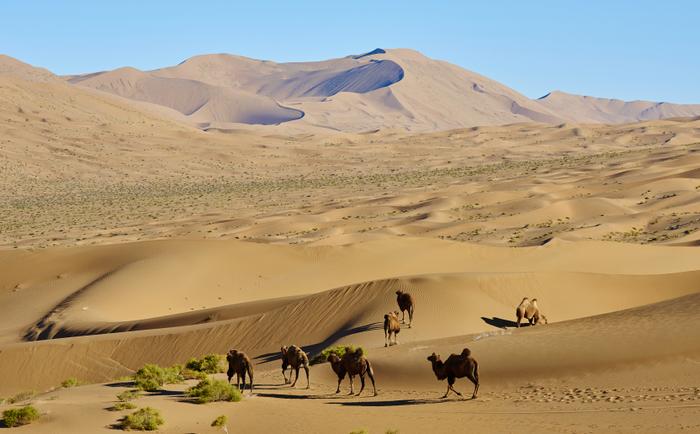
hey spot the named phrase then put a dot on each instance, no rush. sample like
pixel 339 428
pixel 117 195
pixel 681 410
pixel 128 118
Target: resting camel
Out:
pixel 353 363
pixel 238 364
pixel 391 326
pixel 405 302
pixel 456 366
pixel 295 358
pixel 533 314
pixel 522 309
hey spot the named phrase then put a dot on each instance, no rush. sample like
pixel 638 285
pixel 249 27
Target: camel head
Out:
pixel 525 300
pixel 543 319
pixel 333 358
pixel 434 358
pixel 399 292
pixel 284 350
pixel 231 355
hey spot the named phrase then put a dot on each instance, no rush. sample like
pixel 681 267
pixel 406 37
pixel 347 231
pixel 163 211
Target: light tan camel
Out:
pixel 522 309
pixel 533 314
pixel 239 364
pixel 391 327
pixel 456 366
pixel 295 358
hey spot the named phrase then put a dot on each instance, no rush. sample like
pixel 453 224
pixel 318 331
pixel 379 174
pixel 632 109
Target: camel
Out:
pixel 456 366
pixel 533 314
pixel 295 358
pixel 405 302
pixel 391 326
pixel 522 309
pixel 352 363
pixel 238 364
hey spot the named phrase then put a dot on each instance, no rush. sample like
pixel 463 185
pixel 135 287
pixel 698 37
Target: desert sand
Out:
pixel 130 235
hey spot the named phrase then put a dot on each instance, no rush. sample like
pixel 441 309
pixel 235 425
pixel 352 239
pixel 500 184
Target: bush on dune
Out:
pixel 220 421
pixel 145 419
pixel 128 395
pixel 70 382
pixel 152 377
pixel 338 350
pixel 19 416
pixel 209 364
pixel 209 390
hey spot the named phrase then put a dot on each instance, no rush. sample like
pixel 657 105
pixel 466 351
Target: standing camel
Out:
pixel 406 304
pixel 391 327
pixel 295 358
pixel 533 314
pixel 352 363
pixel 456 366
pixel 239 364
pixel 521 310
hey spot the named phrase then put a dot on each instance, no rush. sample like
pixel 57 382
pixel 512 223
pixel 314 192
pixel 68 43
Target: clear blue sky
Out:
pixel 615 48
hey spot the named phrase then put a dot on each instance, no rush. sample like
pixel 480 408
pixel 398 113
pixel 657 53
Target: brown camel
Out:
pixel 352 363
pixel 533 314
pixel 521 310
pixel 456 366
pixel 295 358
pixel 406 304
pixel 238 364
pixel 391 326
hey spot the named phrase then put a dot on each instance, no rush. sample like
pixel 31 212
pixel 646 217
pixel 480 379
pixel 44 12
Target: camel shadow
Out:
pixel 318 347
pixel 121 384
pixel 398 402
pixel 503 323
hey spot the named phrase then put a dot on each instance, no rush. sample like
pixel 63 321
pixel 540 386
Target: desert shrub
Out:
pixel 391 431
pixel 359 431
pixel 189 374
pixel 220 421
pixel 128 395
pixel 22 396
pixel 121 406
pixel 339 350
pixel 144 419
pixel 152 377
pixel 70 382
pixel 19 416
pixel 209 390
pixel 209 364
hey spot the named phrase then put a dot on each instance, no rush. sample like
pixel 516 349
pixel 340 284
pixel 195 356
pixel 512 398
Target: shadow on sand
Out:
pixel 503 323
pixel 317 348
pixel 399 402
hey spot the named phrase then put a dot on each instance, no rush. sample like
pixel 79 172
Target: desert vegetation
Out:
pixel 152 377
pixel 144 419
pixel 214 390
pixel 20 416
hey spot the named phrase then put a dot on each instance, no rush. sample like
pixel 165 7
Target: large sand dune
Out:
pixel 129 236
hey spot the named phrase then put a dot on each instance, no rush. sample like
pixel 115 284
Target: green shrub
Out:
pixel 145 419
pixel 359 431
pixel 121 406
pixel 70 382
pixel 210 364
pixel 220 421
pixel 152 377
pixel 128 395
pixel 214 390
pixel 19 416
pixel 189 374
pixel 339 350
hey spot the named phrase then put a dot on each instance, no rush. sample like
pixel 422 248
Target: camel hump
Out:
pixel 466 352
pixel 359 352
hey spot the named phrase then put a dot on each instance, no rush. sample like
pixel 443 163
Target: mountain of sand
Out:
pixel 588 109
pixel 397 89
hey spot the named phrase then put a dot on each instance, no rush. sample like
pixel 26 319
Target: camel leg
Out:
pixel 296 376
pixel 450 385
pixel 403 317
pixel 396 338
pixel 352 388
pixel 387 338
pixel 338 389
pixel 370 373
pixel 474 380
pixel 446 392
pixel 362 384
pixel 250 375
pixel 243 386
pixel 519 318
pixel 308 384
pixel 410 316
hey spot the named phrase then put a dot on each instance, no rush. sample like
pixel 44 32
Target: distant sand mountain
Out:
pixel 588 109
pixel 396 89
pixel 399 89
